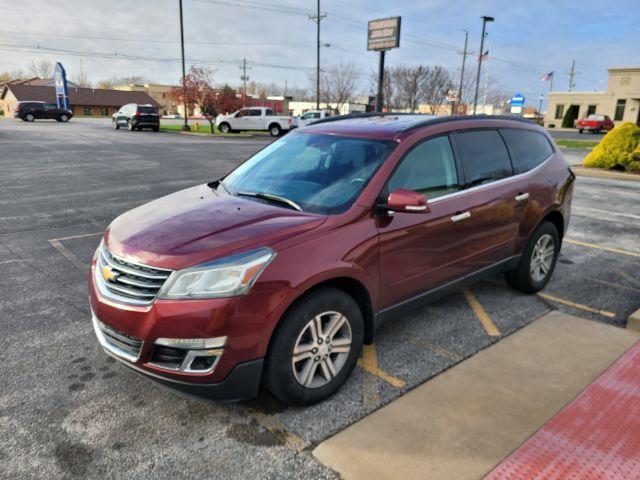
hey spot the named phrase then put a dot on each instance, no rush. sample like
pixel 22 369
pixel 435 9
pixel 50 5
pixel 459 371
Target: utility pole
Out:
pixel 572 75
pixel 185 127
pixel 485 20
pixel 244 79
pixel 464 58
pixel 318 18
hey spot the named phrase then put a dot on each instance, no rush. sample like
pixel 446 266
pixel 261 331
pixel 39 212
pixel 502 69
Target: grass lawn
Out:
pixel 205 129
pixel 577 144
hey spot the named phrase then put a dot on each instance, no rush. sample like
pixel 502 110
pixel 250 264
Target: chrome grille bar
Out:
pixel 127 281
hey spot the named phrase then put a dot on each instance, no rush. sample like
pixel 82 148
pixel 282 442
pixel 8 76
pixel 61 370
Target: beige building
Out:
pixel 620 101
pixel 160 93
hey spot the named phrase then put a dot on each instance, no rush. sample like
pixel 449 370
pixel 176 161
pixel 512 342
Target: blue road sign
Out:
pixel 517 100
pixel 62 92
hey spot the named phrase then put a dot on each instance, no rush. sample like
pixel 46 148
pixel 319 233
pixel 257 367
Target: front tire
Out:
pixel 314 347
pixel 115 125
pixel 538 260
pixel 64 118
pixel 224 128
pixel 580 130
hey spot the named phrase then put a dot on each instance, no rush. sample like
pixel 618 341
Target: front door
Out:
pixel 419 251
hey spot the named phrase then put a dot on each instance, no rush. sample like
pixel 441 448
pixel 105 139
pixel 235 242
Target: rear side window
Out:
pixel 530 148
pixel 484 156
pixel 428 168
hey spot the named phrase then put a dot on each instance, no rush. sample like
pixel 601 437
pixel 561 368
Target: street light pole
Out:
pixel 540 104
pixel 185 127
pixel 485 19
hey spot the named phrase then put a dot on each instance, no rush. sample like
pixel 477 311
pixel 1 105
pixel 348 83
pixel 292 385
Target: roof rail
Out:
pixel 456 118
pixel 360 115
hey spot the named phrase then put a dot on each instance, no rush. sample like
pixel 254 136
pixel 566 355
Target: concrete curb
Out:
pixel 633 323
pixel 596 172
pixel 215 135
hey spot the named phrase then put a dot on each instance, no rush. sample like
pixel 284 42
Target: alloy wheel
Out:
pixel 322 349
pixel 542 258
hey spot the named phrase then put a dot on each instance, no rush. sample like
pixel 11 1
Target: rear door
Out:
pixel 491 210
pixel 37 110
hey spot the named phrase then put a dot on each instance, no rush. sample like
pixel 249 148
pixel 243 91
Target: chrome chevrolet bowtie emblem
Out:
pixel 108 274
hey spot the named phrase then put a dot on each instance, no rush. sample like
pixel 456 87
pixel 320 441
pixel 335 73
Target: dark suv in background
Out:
pixel 30 111
pixel 280 271
pixel 136 117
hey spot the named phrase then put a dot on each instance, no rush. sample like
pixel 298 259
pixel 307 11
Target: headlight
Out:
pixel 228 277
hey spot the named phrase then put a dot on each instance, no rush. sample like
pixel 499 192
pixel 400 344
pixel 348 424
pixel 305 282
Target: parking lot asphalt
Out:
pixel 67 410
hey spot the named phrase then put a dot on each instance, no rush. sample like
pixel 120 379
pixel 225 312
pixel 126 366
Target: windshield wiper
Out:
pixel 268 196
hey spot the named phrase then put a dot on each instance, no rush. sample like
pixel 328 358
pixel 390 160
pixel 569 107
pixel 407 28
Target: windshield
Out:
pixel 321 173
pixel 595 117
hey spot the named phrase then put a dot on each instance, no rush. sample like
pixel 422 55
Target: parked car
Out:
pixel 595 124
pixel 255 118
pixel 136 117
pixel 30 111
pixel 311 116
pixel 277 273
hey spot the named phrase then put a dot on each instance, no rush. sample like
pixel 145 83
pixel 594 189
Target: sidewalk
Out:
pixel 464 422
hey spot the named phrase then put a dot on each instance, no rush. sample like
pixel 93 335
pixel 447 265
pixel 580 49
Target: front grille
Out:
pixel 129 281
pixel 121 342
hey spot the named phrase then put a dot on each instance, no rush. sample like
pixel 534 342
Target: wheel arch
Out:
pixel 557 219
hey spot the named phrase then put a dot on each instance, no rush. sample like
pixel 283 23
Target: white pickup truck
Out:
pixel 255 118
pixel 311 116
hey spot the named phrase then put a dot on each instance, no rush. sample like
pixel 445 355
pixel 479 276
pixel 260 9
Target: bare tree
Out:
pixel 338 83
pixel 81 80
pixel 389 88
pixel 434 92
pixel 41 68
pixel 410 84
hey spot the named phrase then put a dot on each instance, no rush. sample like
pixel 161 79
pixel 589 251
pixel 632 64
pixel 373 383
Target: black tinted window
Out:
pixel 530 148
pixel 484 155
pixel 429 169
pixel 147 110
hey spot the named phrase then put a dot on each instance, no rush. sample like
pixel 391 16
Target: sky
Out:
pixel 118 38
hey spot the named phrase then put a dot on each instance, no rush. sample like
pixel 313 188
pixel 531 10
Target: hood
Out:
pixel 197 225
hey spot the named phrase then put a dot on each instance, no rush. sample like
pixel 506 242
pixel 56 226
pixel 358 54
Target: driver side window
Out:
pixel 429 168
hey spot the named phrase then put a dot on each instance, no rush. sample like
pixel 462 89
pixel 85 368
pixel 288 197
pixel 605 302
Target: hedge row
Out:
pixel 619 149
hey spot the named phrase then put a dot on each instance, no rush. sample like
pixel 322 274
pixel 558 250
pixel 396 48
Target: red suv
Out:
pixel 280 271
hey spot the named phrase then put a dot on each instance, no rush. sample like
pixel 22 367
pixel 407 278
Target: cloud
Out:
pixel 526 40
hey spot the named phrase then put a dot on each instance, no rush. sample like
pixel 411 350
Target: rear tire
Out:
pixel 319 368
pixel 580 130
pixel 29 117
pixel 275 130
pixel 130 126
pixel 155 129
pixel 538 260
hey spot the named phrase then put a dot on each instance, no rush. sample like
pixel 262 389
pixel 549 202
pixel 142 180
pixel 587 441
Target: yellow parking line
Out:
pixel 278 430
pixel 586 308
pixel 600 247
pixel 628 278
pixel 480 312
pixel 77 236
pixel 369 363
pixel 68 254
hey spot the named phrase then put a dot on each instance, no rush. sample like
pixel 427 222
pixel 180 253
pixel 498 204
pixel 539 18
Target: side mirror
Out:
pixel 401 200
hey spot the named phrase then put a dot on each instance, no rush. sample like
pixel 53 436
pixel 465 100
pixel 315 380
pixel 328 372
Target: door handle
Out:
pixel 461 216
pixel 521 197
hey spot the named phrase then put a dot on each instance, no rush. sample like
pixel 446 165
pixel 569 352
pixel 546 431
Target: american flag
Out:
pixel 484 56
pixel 546 77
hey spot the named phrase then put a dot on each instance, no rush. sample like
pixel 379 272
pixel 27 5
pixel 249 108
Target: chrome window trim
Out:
pixel 490 184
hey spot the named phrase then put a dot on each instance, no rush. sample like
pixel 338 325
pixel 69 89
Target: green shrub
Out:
pixel 620 148
pixel 568 121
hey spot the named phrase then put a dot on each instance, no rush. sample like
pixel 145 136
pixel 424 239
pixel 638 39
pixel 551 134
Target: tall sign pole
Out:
pixel 185 127
pixel 60 82
pixel 382 35
pixel 485 19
